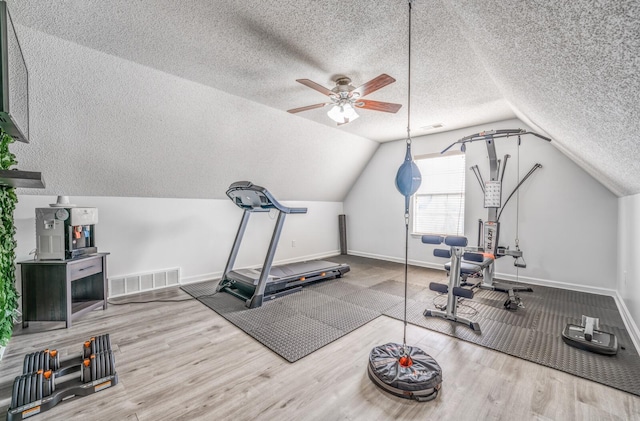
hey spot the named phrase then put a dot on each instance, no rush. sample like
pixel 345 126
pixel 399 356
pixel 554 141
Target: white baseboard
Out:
pixel 556 284
pixel 631 326
pixel 503 276
pixel 395 259
pixel 629 323
pixel 201 278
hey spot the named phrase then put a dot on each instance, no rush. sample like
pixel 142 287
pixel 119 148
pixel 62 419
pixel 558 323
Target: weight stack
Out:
pixel 342 227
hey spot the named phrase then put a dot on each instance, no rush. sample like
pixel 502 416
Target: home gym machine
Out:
pixel 454 289
pixel 489 230
pixel 256 285
pixel 42 384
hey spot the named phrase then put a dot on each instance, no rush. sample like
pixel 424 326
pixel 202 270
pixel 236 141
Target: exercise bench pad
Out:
pixel 469 268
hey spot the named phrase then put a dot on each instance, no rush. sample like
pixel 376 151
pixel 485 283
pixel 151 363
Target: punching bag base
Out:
pixel 420 381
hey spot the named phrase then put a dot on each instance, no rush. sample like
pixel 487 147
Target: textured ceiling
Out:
pixel 570 69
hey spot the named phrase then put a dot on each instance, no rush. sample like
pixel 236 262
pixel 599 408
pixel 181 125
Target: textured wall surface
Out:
pixel 195 235
pixel 105 126
pixel 568 69
pixel 564 218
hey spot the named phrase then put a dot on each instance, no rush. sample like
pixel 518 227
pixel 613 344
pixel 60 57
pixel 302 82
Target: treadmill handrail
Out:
pixel 271 202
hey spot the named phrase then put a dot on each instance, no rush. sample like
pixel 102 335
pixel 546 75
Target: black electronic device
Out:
pixel 14 81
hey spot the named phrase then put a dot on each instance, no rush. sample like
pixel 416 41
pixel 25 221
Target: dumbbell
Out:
pixel 97 366
pixel 32 387
pixel 41 360
pixel 96 344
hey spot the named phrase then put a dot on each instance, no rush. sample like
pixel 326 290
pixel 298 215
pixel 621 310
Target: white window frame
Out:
pixel 458 191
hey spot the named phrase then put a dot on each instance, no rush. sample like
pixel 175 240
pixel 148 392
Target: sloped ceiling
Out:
pixel 569 69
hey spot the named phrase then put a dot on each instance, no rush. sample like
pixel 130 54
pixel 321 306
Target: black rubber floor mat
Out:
pixel 298 324
pixel 534 332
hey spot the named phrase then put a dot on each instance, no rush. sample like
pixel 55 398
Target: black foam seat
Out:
pixel 470 268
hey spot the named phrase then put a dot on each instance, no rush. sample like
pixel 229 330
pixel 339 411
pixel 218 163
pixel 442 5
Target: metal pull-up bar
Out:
pixel 493 134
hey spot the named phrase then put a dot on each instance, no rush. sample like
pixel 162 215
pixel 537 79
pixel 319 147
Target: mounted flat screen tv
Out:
pixel 14 81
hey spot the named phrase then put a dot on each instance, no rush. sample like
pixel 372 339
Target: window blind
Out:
pixel 438 205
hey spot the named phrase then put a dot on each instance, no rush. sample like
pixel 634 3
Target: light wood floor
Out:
pixel 182 361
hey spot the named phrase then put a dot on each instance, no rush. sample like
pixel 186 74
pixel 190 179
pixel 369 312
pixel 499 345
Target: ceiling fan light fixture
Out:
pixel 342 113
pixel 345 98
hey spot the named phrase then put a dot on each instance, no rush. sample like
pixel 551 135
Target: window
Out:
pixel 438 205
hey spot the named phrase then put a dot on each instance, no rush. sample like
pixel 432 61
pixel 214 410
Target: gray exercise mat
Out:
pixel 298 324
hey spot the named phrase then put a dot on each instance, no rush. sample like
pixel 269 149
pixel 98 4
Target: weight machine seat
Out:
pixel 470 268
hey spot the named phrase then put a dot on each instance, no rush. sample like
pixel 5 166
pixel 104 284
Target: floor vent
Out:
pixel 132 284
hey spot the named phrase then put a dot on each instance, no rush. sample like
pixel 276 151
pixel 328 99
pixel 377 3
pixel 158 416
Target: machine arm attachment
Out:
pixel 476 172
pixel 531 171
pixel 493 134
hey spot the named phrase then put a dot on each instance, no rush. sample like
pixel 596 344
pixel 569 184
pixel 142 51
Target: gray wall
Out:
pixel 628 282
pixel 105 126
pixel 567 220
pixel 195 235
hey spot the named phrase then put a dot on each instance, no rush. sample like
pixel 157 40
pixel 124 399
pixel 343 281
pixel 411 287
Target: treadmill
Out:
pixel 267 283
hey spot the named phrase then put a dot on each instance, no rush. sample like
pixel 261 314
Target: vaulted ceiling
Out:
pixel 568 69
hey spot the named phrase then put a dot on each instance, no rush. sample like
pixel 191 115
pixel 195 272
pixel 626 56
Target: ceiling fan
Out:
pixel 345 98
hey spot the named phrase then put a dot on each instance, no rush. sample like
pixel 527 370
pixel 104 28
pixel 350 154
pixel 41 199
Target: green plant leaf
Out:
pixel 8 199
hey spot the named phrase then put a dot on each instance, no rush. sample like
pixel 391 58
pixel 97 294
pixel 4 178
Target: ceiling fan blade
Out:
pixel 387 107
pixel 311 84
pixel 308 107
pixel 374 84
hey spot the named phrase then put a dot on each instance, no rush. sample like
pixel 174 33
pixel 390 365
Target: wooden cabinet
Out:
pixel 63 290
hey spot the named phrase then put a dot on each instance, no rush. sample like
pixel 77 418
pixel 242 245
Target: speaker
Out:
pixel 342 227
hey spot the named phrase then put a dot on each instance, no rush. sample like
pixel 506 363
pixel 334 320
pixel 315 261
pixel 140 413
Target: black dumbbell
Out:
pixel 32 387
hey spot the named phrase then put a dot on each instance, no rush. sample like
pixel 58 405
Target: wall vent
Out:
pixel 432 126
pixel 140 282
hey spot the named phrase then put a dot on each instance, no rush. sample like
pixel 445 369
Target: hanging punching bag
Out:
pixel 408 178
pixel 405 371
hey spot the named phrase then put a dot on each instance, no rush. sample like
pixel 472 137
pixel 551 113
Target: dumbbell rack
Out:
pixel 39 388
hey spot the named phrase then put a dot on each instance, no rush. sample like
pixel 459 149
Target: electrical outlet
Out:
pixel 293 243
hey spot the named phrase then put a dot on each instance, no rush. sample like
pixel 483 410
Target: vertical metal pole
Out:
pixel 236 246
pixel 454 279
pixel 487 276
pixel 406 274
pixel 258 295
pixel 493 175
pixel 492 215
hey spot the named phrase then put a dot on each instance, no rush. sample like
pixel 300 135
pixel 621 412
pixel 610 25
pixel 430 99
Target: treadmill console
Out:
pixel 247 196
pixel 250 197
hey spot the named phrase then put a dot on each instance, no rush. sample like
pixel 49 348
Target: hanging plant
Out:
pixel 8 200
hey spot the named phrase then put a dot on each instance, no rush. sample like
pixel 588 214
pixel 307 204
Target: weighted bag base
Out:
pixel 421 381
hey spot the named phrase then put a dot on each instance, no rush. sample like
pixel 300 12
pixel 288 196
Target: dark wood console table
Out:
pixel 63 290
